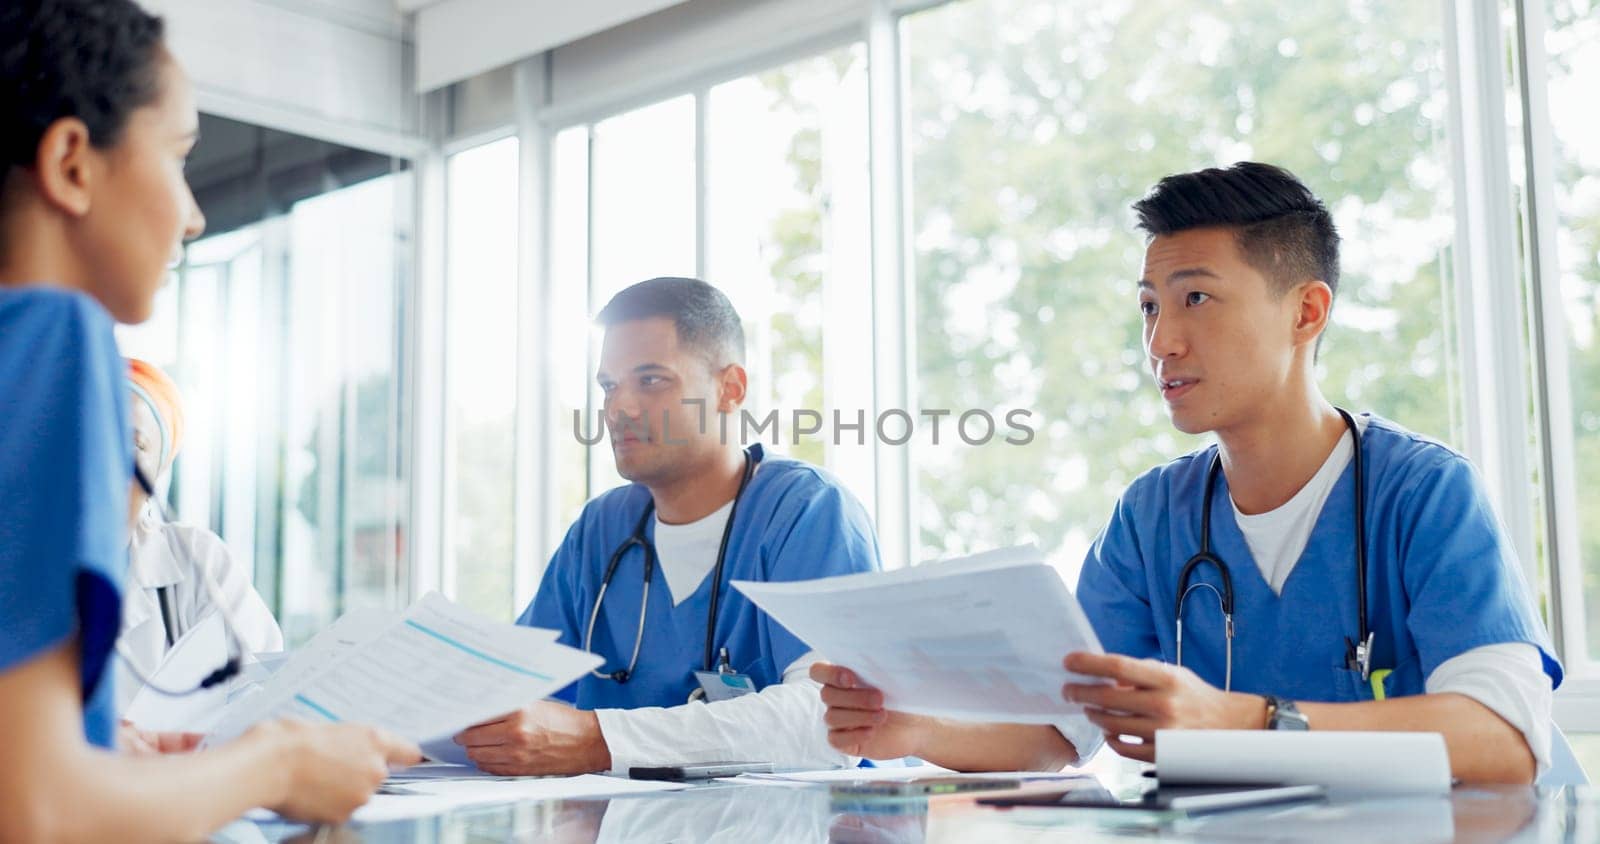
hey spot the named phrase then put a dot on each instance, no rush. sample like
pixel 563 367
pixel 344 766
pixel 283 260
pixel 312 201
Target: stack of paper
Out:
pixel 425 675
pixel 978 638
pixel 190 659
pixel 1387 763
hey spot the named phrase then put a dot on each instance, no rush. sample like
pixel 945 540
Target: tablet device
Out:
pixel 1192 800
pixel 700 771
pixel 923 786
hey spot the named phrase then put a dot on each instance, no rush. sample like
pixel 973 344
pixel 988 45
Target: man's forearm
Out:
pixel 970 746
pixel 1483 747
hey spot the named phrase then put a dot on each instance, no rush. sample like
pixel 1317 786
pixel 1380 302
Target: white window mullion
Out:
pixel 702 182
pixel 891 300
pixel 1492 352
pixel 428 404
pixel 536 400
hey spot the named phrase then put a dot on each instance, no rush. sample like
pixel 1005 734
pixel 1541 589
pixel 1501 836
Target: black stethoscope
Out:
pixel 638 539
pixel 1358 652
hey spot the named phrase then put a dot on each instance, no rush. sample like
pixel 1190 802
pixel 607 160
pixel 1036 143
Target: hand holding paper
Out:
pixel 424 676
pixel 979 638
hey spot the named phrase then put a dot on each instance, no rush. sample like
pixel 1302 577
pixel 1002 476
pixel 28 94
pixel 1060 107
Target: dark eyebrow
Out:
pixel 1191 272
pixel 1181 275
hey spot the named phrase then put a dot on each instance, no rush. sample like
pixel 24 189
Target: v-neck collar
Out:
pixel 1327 534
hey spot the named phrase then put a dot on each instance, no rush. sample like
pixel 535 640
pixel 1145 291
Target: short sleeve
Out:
pixel 65 465
pixel 1463 581
pixel 826 533
pixel 552 607
pixel 1111 588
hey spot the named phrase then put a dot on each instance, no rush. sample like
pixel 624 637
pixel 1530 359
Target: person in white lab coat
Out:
pixel 165 595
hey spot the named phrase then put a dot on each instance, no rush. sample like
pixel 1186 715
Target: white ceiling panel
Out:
pixel 457 39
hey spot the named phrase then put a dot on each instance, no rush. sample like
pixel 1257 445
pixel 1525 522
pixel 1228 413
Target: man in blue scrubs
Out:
pixel 1239 279
pixel 656 558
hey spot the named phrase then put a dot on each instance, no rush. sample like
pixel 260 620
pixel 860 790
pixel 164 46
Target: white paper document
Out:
pixel 1386 763
pixel 202 650
pixel 441 771
pixel 424 676
pixel 979 638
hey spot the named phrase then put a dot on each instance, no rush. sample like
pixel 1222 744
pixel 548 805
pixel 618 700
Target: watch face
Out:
pixel 1287 716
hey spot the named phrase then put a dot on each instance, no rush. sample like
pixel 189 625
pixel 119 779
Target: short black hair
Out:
pixel 90 59
pixel 1283 229
pixel 705 319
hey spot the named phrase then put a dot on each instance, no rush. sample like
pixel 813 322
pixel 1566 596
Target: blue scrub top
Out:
pixel 66 460
pixel 1441 577
pixel 794 522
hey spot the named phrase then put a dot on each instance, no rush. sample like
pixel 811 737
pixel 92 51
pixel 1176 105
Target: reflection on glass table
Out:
pixel 781 814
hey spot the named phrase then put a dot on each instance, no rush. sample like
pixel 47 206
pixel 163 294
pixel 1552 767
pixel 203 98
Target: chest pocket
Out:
pixel 1403 680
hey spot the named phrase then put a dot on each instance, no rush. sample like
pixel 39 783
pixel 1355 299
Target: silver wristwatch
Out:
pixel 1282 714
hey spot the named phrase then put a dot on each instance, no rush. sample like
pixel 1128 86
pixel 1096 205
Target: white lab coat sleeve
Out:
pixel 1509 679
pixel 781 724
pixel 258 630
pixel 1083 735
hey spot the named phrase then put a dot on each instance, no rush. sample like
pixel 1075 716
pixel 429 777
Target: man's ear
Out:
pixel 1314 306
pixel 733 386
pixel 64 166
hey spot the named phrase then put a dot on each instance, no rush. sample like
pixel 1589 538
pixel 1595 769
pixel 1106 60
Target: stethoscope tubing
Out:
pixel 1358 652
pixel 638 538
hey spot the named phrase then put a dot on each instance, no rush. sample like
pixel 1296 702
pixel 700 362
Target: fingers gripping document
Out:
pixel 980 637
pixel 424 676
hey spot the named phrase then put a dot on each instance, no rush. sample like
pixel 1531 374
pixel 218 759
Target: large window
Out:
pixel 1032 127
pixel 1573 45
pixel 776 218
pixel 281 327
pixel 481 376
pixel 787 227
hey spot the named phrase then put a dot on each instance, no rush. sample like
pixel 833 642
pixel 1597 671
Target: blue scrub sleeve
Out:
pixel 555 605
pixel 65 464
pixel 1112 589
pixel 1462 578
pixel 827 533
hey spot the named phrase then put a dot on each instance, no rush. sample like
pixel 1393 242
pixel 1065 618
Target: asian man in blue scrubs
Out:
pixel 1305 502
pixel 693 671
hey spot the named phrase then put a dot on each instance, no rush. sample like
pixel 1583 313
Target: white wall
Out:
pixel 637 62
pixel 457 39
pixel 330 69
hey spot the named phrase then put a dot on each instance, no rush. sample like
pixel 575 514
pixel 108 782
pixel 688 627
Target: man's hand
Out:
pixel 1148 695
pixel 136 742
pixel 858 725
pixel 544 738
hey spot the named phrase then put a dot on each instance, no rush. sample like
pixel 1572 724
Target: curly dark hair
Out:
pixel 95 60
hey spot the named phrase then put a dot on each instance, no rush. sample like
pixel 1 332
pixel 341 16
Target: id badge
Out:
pixel 719 685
